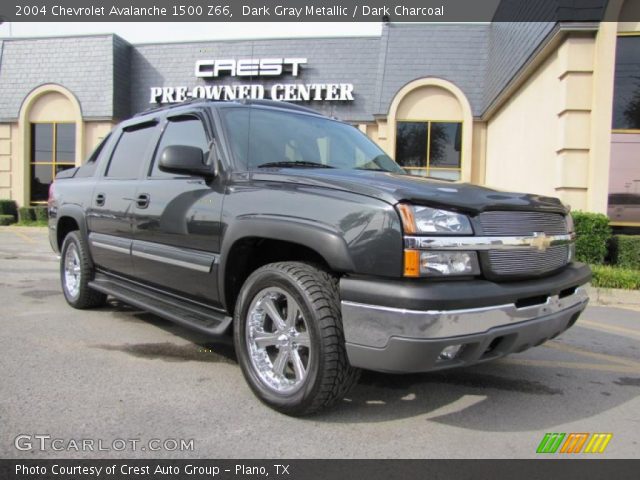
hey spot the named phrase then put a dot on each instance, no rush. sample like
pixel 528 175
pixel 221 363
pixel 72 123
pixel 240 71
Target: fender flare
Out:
pixel 77 213
pixel 323 239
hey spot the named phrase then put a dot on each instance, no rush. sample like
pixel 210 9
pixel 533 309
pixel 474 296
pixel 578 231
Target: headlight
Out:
pixel 437 263
pixel 569 222
pixel 571 254
pixel 420 220
pixel 449 263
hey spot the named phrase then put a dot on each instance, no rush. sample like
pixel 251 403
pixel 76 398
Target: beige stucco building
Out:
pixel 545 108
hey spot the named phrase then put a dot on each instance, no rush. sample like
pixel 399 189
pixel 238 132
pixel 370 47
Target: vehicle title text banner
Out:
pixel 307 11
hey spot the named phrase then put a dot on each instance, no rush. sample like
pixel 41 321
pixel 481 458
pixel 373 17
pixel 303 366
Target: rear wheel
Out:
pixel 76 270
pixel 289 340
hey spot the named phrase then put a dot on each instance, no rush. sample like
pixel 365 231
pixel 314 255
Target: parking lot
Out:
pixel 119 373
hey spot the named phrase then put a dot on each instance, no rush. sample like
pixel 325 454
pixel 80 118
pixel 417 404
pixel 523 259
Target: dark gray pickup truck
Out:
pixel 322 256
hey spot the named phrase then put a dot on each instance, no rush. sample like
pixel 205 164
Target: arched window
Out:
pixel 51 121
pixel 429 120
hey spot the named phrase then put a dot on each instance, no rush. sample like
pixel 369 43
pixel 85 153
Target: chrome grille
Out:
pixel 527 262
pixel 522 223
pixel 523 262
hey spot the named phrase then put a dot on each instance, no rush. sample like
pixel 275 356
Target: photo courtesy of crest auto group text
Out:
pixel 312 239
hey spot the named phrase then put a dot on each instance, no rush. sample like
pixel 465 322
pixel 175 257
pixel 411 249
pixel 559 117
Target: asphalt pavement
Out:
pixel 137 386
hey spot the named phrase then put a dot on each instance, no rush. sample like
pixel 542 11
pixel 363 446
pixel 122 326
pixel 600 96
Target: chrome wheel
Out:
pixel 278 340
pixel 72 271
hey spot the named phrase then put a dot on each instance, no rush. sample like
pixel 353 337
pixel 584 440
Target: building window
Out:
pixel 431 149
pixel 626 93
pixel 624 167
pixel 53 149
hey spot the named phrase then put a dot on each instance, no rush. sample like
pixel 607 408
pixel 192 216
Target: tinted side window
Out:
pixel 185 130
pixel 626 92
pixel 130 153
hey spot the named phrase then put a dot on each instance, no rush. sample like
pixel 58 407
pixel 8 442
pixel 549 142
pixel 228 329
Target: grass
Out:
pixel 606 276
pixel 31 223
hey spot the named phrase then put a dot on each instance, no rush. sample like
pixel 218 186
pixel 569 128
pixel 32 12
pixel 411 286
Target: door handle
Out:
pixel 100 198
pixel 143 200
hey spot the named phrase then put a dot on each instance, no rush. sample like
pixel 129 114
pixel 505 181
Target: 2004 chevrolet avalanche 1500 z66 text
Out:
pixel 322 256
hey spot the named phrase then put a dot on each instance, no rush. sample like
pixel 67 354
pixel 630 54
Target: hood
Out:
pixel 393 188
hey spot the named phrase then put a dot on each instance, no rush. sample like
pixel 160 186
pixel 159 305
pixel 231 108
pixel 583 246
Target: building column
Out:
pixel 5 161
pixel 574 139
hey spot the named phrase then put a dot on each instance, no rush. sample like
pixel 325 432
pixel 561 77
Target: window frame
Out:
pixel 428 168
pixel 627 131
pixel 53 163
pixel 164 123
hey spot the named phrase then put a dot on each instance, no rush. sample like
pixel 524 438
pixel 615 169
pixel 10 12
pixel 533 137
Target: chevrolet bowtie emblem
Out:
pixel 540 241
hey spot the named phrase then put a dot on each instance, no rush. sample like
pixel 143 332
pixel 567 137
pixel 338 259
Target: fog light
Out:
pixel 450 352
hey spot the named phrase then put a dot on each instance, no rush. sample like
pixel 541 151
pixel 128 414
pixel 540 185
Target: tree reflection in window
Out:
pixel 626 94
pixel 632 111
pixel 430 148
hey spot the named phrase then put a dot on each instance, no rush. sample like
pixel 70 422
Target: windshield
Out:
pixel 265 138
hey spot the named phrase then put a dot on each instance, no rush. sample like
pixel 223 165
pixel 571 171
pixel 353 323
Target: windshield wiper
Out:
pixel 294 164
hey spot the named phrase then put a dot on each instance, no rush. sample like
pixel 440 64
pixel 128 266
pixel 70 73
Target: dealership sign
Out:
pixel 249 68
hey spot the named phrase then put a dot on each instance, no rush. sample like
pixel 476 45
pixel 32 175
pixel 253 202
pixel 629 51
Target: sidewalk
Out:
pixel 613 297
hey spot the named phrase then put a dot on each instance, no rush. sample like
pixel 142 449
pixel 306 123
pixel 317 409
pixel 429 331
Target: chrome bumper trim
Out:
pixel 537 241
pixel 373 325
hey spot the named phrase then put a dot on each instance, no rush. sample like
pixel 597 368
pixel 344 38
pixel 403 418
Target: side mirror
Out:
pixel 185 160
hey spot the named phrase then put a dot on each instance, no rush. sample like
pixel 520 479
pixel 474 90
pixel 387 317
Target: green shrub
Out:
pixel 7 219
pixel 41 214
pixel 9 207
pixel 592 235
pixel 615 277
pixel 26 214
pixel 624 251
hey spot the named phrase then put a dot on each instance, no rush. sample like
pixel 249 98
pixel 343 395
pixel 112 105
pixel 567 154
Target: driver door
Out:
pixel 176 238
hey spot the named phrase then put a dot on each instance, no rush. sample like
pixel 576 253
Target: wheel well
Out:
pixel 249 254
pixel 66 225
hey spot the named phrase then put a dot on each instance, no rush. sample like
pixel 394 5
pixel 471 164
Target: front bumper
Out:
pixel 387 338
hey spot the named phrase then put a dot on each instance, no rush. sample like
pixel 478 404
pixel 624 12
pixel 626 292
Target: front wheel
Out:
pixel 289 340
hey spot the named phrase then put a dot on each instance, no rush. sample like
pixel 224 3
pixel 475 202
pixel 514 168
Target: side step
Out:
pixel 197 317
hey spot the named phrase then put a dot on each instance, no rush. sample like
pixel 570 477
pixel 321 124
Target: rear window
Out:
pixel 89 168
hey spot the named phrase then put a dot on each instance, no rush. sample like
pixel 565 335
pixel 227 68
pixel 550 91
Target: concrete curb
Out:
pixel 613 297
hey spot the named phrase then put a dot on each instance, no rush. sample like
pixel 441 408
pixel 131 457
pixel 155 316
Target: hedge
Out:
pixel 624 251
pixel 605 276
pixel 9 207
pixel 41 214
pixel 592 236
pixel 7 219
pixel 26 214
pixel 29 215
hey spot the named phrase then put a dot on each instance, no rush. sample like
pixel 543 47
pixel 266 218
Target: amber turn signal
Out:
pixel 407 217
pixel 411 263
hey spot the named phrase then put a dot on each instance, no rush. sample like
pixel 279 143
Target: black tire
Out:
pixel 329 376
pixel 81 297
